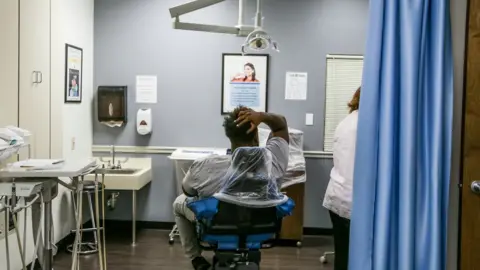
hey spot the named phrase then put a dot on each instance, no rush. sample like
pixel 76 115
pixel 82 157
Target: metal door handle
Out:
pixel 35 76
pixel 475 187
pixel 41 76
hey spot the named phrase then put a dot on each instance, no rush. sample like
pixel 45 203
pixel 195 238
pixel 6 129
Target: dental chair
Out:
pixel 245 214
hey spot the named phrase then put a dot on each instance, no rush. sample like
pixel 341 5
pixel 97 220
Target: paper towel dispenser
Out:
pixel 112 104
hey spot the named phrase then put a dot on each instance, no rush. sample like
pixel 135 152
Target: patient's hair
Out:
pixel 237 134
pixel 355 102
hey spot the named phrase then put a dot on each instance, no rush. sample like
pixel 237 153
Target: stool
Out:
pixel 86 248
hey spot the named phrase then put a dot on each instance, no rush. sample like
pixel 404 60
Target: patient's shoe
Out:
pixel 200 263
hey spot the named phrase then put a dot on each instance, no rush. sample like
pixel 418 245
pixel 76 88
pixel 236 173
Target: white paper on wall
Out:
pixel 296 85
pixel 146 89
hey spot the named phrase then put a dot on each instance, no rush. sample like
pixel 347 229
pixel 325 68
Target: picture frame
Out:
pixel 73 74
pixel 244 81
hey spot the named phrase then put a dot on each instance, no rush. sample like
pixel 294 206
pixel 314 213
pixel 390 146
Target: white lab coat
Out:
pixel 338 197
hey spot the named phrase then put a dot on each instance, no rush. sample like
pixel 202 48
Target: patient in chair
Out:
pixel 217 175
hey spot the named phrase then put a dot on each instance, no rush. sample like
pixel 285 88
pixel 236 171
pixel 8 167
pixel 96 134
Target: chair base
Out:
pixel 324 258
pixel 238 260
pixel 250 266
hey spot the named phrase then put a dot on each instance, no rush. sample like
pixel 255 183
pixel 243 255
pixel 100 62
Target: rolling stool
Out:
pixel 87 248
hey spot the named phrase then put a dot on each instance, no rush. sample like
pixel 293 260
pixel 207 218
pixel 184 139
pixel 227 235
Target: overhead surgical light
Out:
pixel 257 38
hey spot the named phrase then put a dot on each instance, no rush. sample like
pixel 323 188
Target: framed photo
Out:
pixel 73 74
pixel 244 81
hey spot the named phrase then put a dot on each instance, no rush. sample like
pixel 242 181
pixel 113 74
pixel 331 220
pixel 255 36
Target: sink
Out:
pixel 118 171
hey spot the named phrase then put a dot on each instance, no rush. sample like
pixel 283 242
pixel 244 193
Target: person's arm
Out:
pixel 190 182
pixel 277 124
pixel 280 153
pixel 188 187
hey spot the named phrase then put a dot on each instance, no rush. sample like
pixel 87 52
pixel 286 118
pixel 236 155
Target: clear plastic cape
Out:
pixel 296 172
pixel 250 180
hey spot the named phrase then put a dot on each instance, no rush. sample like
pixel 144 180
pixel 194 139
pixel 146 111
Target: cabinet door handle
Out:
pixel 41 77
pixel 35 77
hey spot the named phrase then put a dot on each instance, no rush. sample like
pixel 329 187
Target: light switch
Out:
pixel 309 119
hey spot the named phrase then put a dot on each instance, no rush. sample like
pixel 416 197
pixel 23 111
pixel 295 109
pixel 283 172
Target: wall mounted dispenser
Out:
pixel 112 105
pixel 144 121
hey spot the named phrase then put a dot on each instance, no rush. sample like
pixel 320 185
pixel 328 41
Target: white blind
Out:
pixel 344 76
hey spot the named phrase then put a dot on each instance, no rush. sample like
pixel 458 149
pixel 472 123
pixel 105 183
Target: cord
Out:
pixel 35 248
pixel 7 221
pixel 19 241
pixel 25 229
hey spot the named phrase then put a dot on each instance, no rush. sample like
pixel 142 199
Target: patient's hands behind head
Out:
pixel 248 116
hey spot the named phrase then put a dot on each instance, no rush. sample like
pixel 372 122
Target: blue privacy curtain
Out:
pixel 402 165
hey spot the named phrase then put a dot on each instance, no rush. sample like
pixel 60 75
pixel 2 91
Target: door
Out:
pixel 470 198
pixel 34 81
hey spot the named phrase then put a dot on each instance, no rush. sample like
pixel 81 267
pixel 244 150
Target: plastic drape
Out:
pixel 296 161
pixel 249 181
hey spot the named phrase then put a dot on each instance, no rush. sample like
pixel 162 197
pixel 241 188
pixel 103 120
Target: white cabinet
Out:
pixel 8 63
pixel 34 74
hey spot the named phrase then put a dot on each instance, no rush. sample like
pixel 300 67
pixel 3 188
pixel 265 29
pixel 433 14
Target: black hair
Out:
pixel 237 134
pixel 254 73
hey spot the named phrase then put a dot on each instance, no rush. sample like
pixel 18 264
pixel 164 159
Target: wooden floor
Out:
pixel 154 252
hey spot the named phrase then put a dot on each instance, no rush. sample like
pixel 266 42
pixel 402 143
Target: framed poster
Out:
pixel 73 74
pixel 244 81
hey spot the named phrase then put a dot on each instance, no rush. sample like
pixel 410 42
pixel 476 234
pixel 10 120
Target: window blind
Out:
pixel 344 76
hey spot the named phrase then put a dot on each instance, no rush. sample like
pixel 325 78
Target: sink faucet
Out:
pixel 111 163
pixel 113 156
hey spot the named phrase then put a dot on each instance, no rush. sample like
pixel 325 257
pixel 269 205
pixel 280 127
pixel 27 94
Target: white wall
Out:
pixel 71 22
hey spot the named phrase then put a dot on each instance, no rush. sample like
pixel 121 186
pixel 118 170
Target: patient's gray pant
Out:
pixel 185 218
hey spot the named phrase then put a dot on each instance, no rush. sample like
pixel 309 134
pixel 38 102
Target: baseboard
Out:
pixel 157 225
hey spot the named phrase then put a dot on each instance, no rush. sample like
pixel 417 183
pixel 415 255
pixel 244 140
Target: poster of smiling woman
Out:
pixel 244 82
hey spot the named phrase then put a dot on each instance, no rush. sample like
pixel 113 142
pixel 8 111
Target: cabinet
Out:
pixel 34 74
pixel 292 226
pixel 8 63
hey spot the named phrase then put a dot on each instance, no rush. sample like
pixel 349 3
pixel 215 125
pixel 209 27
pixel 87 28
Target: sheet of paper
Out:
pixel 146 89
pixel 296 84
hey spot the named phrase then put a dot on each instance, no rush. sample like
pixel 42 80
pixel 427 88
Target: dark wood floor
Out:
pixel 153 252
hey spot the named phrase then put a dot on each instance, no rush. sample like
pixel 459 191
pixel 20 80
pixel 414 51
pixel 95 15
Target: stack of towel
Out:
pixel 10 136
pixel 11 139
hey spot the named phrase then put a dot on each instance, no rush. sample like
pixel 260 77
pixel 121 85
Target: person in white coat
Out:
pixel 338 197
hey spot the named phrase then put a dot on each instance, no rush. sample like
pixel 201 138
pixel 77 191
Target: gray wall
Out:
pixel 136 38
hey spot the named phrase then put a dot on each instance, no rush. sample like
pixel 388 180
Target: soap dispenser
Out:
pixel 112 104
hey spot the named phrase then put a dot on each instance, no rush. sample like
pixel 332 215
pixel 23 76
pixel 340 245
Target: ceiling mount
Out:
pixel 257 39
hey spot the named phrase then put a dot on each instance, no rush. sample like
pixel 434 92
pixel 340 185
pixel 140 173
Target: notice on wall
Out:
pixel 296 86
pixel 146 89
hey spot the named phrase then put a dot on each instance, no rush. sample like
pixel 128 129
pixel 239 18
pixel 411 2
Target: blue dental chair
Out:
pixel 236 233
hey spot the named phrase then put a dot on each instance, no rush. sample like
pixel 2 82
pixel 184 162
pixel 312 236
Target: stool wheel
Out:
pixel 323 259
pixel 171 241
pixel 299 244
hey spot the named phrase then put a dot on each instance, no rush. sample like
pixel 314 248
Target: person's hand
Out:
pixel 246 116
